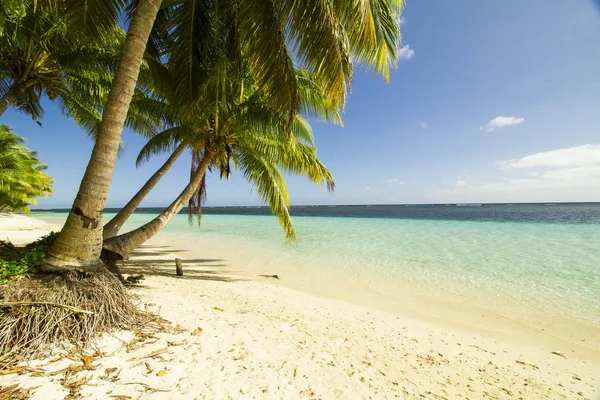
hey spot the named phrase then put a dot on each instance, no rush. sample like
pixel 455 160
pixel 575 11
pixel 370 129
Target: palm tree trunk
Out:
pixel 114 225
pixel 119 247
pixel 78 245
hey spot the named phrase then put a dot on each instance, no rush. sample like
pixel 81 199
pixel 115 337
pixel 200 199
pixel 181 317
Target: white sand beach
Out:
pixel 21 230
pixel 242 338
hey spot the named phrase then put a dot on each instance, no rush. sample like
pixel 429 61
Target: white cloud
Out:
pixel 501 122
pixel 554 181
pixel 401 20
pixel 570 174
pixel 588 154
pixel 394 182
pixel 367 187
pixel 406 53
pixel 423 125
pixel 581 175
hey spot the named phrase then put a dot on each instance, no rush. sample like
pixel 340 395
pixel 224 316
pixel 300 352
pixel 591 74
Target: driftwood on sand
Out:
pixel 178 267
pixel 270 276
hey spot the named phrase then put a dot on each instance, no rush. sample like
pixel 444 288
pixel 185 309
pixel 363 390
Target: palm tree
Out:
pixel 275 36
pixel 247 133
pixel 260 158
pixel 38 56
pixel 78 245
pixel 21 174
pixel 314 103
pixel 321 35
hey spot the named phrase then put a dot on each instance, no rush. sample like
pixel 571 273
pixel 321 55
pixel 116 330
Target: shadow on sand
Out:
pixel 206 269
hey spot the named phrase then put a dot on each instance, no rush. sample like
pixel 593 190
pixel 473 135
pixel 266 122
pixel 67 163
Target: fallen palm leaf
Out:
pixel 107 375
pixel 148 387
pixel 559 353
pixel 13 371
pixel 87 361
pixel 9 388
pixel 20 369
pixel 70 368
pixel 527 364
pixel 153 354
pixel 196 332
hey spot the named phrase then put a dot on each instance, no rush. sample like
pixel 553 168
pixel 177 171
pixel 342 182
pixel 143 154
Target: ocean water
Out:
pixel 532 264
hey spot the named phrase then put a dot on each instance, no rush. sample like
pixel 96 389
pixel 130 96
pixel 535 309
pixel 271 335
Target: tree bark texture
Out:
pixel 113 226
pixel 124 244
pixel 79 243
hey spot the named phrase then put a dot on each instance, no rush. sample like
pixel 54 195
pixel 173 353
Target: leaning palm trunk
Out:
pixel 112 228
pixel 79 243
pixel 119 247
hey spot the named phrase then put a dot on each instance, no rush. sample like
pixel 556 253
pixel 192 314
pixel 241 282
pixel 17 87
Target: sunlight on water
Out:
pixel 551 268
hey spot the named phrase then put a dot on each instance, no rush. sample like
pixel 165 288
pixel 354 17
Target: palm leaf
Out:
pixel 314 101
pixel 21 174
pixel 271 188
pixel 373 29
pixel 321 45
pixel 262 38
pixel 93 18
pixel 191 27
pixel 302 131
pixel 164 141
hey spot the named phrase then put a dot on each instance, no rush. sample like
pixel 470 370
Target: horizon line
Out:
pixel 357 205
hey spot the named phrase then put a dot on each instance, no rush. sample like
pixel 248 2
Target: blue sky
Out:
pixel 492 102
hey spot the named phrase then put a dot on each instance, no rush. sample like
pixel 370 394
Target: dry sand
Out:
pixel 21 230
pixel 247 339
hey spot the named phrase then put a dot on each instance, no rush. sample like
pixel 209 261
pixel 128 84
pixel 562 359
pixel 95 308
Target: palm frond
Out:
pixel 164 141
pixel 21 174
pixel 321 45
pixel 93 18
pixel 191 27
pixel 302 131
pixel 262 37
pixel 292 156
pixel 271 188
pixel 373 28
pixel 314 101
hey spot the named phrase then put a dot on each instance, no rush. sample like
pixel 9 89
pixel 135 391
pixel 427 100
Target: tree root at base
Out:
pixel 71 308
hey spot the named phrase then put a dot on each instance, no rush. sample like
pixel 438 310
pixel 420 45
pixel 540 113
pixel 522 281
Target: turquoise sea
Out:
pixel 532 264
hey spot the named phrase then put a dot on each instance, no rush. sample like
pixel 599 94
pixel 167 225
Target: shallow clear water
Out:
pixel 550 263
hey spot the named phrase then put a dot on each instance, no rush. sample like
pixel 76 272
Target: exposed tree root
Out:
pixel 110 259
pixel 53 312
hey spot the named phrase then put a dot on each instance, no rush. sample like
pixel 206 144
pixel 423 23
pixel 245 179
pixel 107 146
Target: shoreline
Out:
pixel 453 313
pixel 262 339
pixel 550 330
pixel 414 281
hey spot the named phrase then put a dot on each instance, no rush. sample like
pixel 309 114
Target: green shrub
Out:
pixel 43 242
pixel 15 262
pixel 22 176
